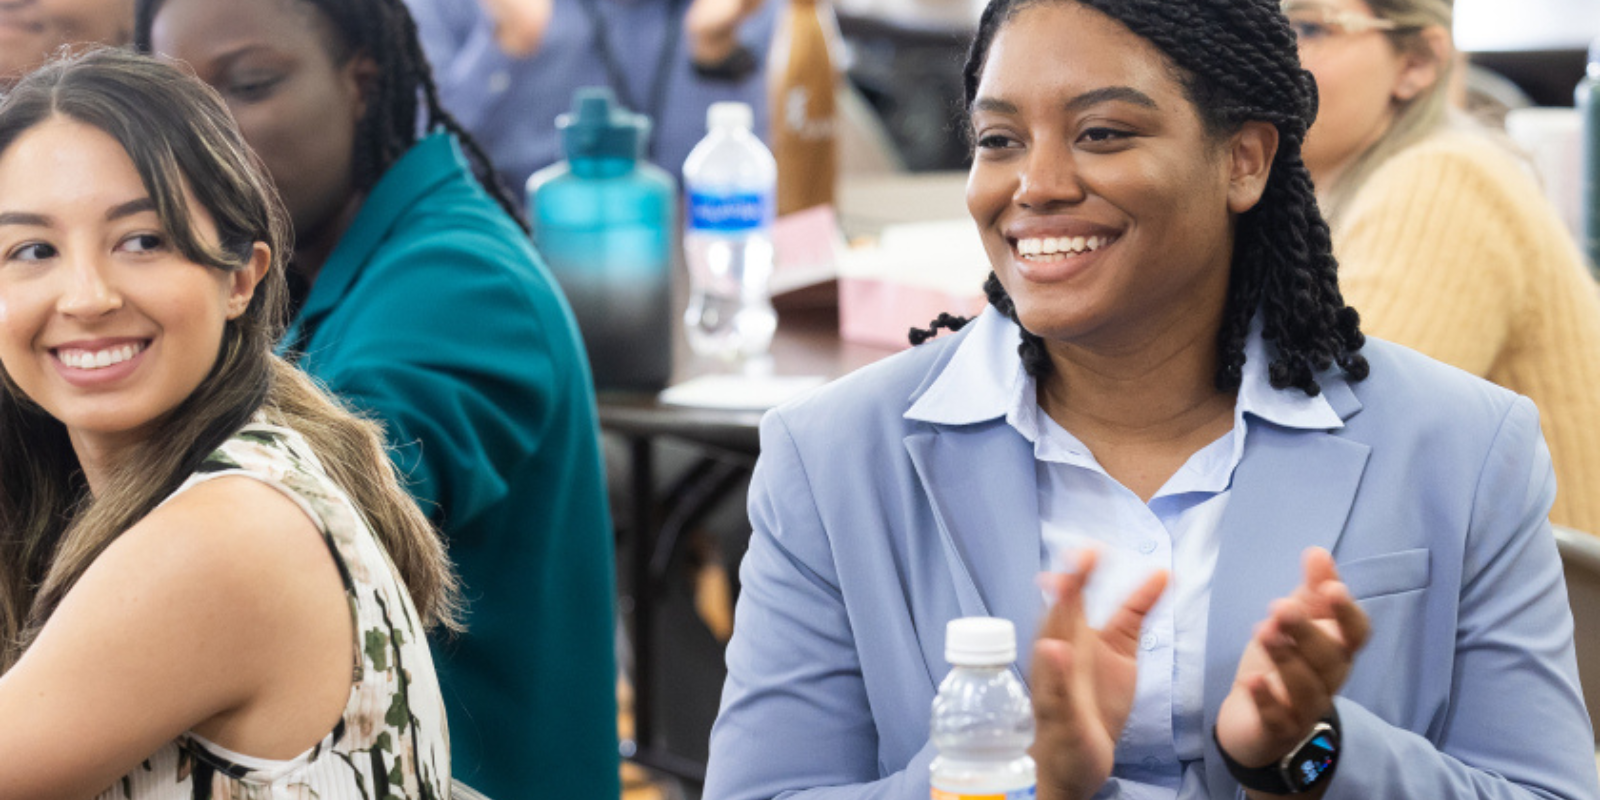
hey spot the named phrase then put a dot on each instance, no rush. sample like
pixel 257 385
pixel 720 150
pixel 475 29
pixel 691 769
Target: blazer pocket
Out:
pixel 1390 573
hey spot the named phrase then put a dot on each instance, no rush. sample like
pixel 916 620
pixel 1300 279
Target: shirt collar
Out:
pixel 434 159
pixel 979 380
pixel 984 380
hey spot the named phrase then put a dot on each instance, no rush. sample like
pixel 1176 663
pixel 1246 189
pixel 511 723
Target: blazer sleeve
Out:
pixel 1514 653
pixel 447 348
pixel 795 719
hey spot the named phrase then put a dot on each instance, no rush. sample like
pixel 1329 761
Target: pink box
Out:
pixel 880 312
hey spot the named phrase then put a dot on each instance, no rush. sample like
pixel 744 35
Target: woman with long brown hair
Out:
pixel 211 581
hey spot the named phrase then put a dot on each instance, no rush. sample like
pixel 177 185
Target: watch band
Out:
pixel 737 66
pixel 1311 762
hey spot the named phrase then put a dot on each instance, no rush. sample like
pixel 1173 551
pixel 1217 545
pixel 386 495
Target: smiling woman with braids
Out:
pixel 428 308
pixel 1270 526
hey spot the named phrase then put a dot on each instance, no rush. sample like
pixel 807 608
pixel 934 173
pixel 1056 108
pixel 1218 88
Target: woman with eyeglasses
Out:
pixel 1445 243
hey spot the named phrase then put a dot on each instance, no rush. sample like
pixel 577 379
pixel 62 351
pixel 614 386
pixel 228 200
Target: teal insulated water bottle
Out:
pixel 1588 98
pixel 604 220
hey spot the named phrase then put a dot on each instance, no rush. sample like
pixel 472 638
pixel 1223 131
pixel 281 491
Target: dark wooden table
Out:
pixel 806 343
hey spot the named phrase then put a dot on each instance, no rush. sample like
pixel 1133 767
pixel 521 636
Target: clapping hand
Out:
pixel 1083 682
pixel 1295 663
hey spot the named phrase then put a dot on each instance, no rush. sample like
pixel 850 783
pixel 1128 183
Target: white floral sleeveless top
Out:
pixel 392 741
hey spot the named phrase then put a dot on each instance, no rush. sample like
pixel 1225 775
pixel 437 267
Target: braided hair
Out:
pixel 1237 61
pixel 384 31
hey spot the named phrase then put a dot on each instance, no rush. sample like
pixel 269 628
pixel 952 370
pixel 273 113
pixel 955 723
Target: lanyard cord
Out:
pixel 618 78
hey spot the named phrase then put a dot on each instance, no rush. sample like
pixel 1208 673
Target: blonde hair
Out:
pixel 1414 119
pixel 180 136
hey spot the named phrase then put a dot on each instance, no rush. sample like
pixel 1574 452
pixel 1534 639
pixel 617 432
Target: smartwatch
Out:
pixel 1310 764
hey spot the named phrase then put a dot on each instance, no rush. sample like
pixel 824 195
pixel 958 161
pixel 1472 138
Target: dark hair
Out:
pixel 384 31
pixel 1237 61
pixel 181 139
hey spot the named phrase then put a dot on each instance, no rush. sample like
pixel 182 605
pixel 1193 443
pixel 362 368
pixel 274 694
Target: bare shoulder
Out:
pixel 224 553
pixel 229 526
pixel 229 572
pixel 217 606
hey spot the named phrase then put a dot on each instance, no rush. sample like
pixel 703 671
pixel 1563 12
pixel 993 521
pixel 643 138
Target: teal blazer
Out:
pixel 435 315
pixel 872 530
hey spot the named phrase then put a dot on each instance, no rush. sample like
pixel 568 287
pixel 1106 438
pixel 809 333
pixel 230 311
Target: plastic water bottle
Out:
pixel 982 718
pixel 729 177
pixel 1588 97
pixel 604 221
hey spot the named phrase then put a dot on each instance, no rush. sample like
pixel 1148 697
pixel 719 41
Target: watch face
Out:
pixel 1314 759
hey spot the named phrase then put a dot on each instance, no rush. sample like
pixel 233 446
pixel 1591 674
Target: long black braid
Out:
pixel 1237 61
pixel 384 31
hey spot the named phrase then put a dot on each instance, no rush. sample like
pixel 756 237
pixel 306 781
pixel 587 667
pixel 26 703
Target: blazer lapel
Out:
pixel 1292 490
pixel 982 487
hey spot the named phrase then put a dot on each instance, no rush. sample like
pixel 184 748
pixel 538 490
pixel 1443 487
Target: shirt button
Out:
pixel 1151 762
pixel 1148 546
pixel 1148 641
pixel 499 81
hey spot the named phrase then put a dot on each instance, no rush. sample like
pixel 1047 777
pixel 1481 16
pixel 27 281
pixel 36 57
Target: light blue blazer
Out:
pixel 872 530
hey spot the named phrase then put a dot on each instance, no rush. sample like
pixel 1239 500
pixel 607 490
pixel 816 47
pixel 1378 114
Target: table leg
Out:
pixel 644 529
pixel 656 541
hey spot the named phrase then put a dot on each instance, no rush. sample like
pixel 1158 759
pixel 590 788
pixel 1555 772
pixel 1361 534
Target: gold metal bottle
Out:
pixel 804 132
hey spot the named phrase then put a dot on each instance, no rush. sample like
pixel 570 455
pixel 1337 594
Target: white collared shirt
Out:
pixel 1080 505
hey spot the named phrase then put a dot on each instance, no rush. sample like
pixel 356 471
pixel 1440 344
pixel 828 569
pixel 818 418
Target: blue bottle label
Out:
pixel 729 213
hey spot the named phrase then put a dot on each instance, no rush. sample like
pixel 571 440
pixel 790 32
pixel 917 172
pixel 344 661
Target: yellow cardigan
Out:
pixel 1450 248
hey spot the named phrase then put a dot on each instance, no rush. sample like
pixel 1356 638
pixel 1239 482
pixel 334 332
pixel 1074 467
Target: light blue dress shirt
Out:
pixel 1081 506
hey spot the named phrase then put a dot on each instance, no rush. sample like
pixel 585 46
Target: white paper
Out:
pixel 739 392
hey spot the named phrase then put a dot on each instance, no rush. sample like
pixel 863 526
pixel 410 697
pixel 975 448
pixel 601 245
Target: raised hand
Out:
pixel 519 25
pixel 713 27
pixel 1295 663
pixel 1083 682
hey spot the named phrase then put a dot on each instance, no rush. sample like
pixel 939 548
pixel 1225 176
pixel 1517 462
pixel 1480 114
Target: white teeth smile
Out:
pixel 99 359
pixel 1061 245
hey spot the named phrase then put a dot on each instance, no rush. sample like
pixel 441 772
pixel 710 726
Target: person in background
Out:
pixel 32 30
pixel 1445 242
pixel 507 68
pixel 212 583
pixel 1350 534
pixel 428 308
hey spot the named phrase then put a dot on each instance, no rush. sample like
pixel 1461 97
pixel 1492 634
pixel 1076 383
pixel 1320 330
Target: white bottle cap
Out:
pixel 980 642
pixel 729 115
